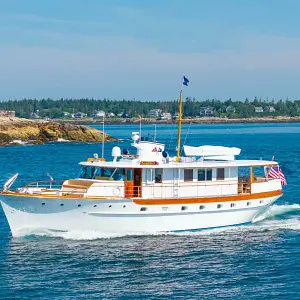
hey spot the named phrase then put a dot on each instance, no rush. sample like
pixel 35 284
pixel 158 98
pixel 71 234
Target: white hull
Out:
pixel 124 216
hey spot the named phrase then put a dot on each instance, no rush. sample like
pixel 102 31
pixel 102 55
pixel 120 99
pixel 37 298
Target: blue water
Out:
pixel 259 261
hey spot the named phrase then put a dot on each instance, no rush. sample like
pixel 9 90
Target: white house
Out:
pixel 165 116
pixel 207 111
pixel 230 109
pixel 270 109
pixel 155 112
pixel 259 109
pixel 98 114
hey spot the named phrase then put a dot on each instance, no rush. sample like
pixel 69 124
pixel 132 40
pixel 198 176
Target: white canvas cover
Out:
pixel 211 151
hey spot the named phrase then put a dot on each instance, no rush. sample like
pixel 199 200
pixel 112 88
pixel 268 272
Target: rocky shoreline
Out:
pixel 16 131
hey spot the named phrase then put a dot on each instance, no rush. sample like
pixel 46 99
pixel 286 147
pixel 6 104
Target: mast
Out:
pixel 185 82
pixel 179 126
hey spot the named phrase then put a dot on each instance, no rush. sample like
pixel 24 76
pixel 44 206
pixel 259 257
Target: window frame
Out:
pixel 205 174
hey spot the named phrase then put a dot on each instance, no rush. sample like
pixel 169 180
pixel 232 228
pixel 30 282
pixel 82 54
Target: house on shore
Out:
pixel 269 109
pixel 155 113
pixel 207 112
pixel 98 114
pixel 165 116
pixel 7 113
pixel 259 109
pixel 230 109
pixel 80 115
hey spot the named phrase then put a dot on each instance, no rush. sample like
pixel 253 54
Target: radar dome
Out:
pixel 116 151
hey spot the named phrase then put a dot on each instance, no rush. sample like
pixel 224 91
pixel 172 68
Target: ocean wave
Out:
pixel 18 142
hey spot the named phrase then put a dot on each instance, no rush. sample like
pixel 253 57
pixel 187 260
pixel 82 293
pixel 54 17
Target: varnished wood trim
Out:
pixel 240 197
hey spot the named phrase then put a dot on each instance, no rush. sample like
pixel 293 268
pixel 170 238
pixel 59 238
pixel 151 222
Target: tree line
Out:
pixel 26 108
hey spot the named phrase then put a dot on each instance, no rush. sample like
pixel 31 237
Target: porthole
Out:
pixel 124 206
pixel 232 205
pixel 61 204
pixel 201 207
pixel 261 201
pixel 43 203
pixel 143 209
pixel 248 203
pixel 95 205
pixel 184 208
pixel 110 206
pixel 79 205
pixel 219 205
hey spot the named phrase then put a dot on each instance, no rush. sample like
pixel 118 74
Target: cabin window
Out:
pixel 219 205
pixel 220 173
pixel 208 174
pixel 158 175
pixel 201 175
pixel 143 209
pixel 183 207
pixel 201 207
pixel 204 174
pixel 129 175
pixel 188 174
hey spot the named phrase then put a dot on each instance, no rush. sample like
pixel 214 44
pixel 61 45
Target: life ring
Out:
pixel 116 191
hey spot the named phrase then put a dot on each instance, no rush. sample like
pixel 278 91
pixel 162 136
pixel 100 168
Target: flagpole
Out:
pixel 179 123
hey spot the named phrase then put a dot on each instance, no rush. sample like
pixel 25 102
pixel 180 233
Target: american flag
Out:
pixel 276 172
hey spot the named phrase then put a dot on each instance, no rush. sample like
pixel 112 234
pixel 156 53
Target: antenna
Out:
pixel 140 116
pixel 102 114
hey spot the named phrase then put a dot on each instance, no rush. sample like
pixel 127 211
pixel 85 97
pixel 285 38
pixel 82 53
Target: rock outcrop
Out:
pixel 15 130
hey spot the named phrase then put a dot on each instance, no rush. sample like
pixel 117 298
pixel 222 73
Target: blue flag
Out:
pixel 185 81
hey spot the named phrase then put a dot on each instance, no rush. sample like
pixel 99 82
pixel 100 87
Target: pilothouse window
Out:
pixel 204 174
pixel 220 174
pixel 91 172
pixel 188 174
pixel 158 175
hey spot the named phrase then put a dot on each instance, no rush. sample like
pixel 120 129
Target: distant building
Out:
pixel 155 113
pixel 165 116
pixel 98 114
pixel 230 109
pixel 269 109
pixel 111 115
pixel 122 115
pixel 175 116
pixel 80 115
pixel 35 115
pixel 7 113
pixel 259 109
pixel 207 111
pixel 67 114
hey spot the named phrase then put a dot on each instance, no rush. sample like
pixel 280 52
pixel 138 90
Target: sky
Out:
pixel 139 49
